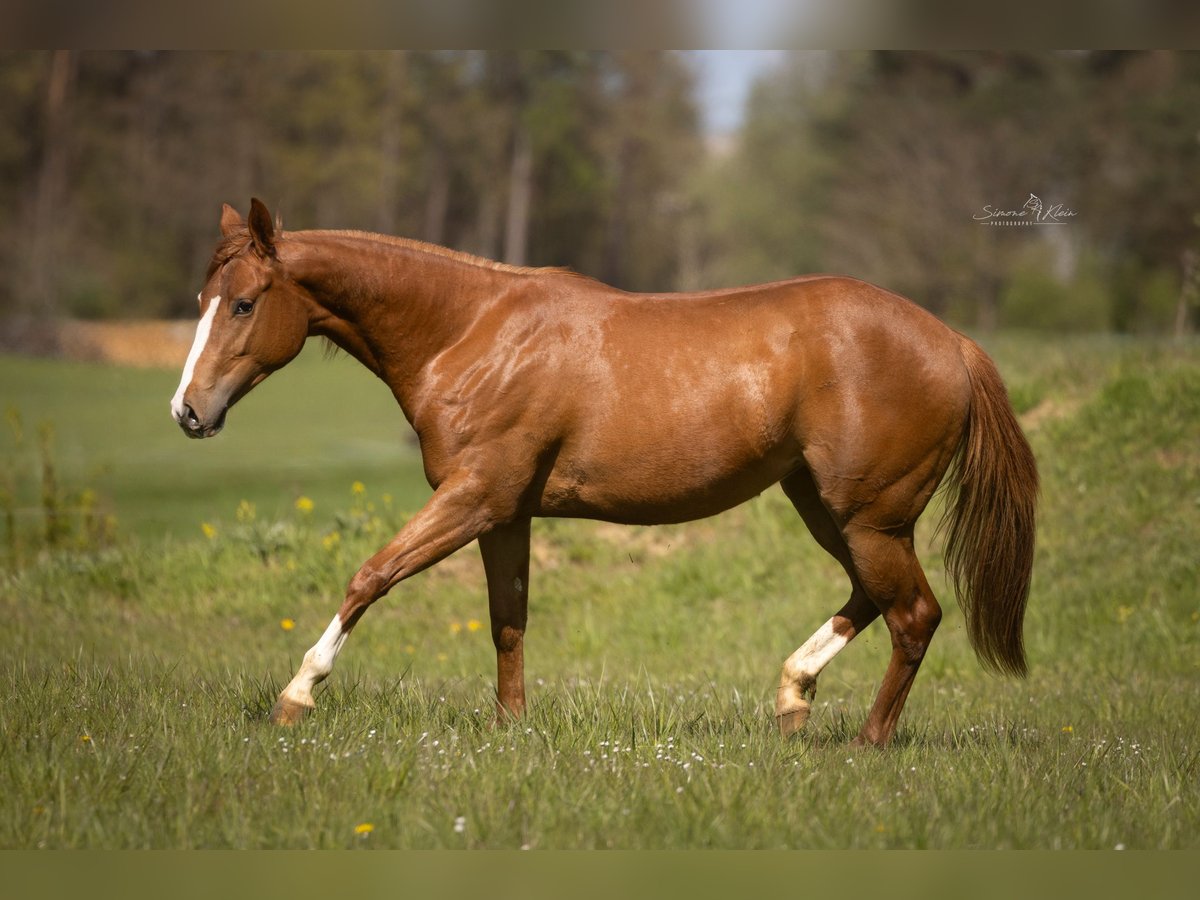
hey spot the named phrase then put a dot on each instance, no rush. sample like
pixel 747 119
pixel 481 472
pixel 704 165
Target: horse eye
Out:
pixel 243 308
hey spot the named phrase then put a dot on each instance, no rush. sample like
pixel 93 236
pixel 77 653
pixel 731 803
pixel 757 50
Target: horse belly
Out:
pixel 672 463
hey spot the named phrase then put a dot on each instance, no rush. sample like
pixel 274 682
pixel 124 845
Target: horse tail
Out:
pixel 989 549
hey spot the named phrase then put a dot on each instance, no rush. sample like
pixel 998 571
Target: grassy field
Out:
pixel 310 430
pixel 135 677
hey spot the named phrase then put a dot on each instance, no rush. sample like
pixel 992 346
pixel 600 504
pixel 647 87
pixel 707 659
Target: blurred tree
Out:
pixel 113 166
pixel 878 164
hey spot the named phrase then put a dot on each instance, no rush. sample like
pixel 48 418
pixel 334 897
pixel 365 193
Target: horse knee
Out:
pixel 367 586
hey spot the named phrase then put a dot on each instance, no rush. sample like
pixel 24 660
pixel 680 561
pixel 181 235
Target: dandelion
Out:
pixel 1067 729
pixel 455 627
pixel 287 624
pixel 85 739
pixel 460 824
pixel 474 625
pixel 304 504
pixel 362 829
pixel 209 531
pixel 358 489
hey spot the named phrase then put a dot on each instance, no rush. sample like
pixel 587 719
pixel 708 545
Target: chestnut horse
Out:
pixel 538 392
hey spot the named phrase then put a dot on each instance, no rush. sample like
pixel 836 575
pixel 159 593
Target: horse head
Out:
pixel 253 320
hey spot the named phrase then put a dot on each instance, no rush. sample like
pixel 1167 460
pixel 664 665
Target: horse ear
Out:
pixel 231 220
pixel 262 232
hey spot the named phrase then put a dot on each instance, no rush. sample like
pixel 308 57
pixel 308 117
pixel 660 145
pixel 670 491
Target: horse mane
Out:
pixel 238 240
pixel 470 259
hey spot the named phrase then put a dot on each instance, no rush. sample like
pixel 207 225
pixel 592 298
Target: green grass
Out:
pixel 652 653
pixel 311 429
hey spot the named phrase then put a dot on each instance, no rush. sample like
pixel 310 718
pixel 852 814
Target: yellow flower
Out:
pixel 287 624
pixel 1124 612
pixel 474 625
pixel 246 511
pixel 455 627
pixel 364 828
pixel 209 531
pixel 85 738
pixel 409 648
pixel 1067 729
pixel 331 540
pixel 304 504
pixel 358 488
pixel 442 657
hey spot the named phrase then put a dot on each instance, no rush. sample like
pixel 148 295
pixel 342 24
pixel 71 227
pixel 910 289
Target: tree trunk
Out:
pixel 520 197
pixel 41 298
pixel 613 269
pixel 1188 291
pixel 389 143
pixel 437 200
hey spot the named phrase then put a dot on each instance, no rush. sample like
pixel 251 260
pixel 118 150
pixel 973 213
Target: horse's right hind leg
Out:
pixel 798 680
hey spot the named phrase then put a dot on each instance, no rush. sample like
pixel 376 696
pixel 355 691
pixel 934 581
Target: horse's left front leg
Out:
pixel 505 552
pixel 458 512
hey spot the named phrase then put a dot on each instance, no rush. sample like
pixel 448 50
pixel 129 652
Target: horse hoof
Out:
pixel 288 712
pixel 792 721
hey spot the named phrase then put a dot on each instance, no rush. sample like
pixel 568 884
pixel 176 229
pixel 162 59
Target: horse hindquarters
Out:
pixel 870 531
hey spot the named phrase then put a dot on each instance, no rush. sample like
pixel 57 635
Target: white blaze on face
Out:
pixel 202 332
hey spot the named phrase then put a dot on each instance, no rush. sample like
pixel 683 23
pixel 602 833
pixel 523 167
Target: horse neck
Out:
pixel 391 305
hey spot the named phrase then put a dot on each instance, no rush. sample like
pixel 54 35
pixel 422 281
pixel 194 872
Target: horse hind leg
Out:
pixel 798 680
pixel 893 580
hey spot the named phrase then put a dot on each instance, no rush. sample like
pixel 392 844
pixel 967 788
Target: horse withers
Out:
pixel 539 392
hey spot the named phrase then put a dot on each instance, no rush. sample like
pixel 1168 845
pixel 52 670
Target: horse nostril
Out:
pixel 190 417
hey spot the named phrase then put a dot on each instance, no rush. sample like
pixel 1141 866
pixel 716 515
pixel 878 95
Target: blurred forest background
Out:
pixel 113 166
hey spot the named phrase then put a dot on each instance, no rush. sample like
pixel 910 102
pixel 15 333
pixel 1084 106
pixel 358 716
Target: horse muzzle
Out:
pixel 194 427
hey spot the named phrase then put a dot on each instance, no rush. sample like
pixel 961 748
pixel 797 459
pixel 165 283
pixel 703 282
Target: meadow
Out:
pixel 136 670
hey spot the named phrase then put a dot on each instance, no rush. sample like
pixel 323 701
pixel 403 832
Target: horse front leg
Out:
pixel 457 513
pixel 505 552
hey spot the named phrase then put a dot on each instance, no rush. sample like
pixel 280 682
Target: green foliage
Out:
pixel 411 142
pixel 872 164
pixel 135 678
pixel 876 164
pixel 1034 298
pixel 52 517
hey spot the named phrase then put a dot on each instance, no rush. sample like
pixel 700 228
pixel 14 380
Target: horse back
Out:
pixel 669 407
